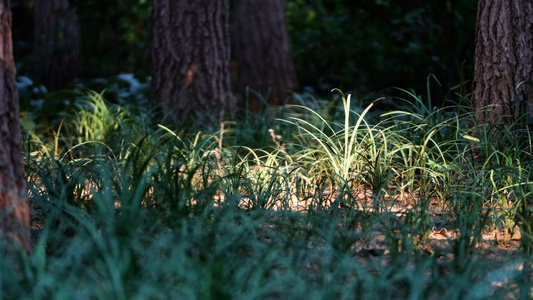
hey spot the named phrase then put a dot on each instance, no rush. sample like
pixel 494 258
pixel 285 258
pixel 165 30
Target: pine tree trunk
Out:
pixel 14 211
pixel 262 49
pixel 190 57
pixel 504 58
pixel 58 60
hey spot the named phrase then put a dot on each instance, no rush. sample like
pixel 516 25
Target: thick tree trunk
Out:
pixel 504 58
pixel 262 49
pixel 14 211
pixel 58 60
pixel 190 57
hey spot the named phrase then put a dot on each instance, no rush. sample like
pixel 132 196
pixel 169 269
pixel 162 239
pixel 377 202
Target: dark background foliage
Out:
pixel 359 46
pixel 368 46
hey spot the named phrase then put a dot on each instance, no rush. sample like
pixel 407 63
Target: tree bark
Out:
pixel 503 58
pixel 190 57
pixel 262 49
pixel 58 59
pixel 14 211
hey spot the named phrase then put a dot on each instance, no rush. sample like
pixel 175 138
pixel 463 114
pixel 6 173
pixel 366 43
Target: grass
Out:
pixel 327 205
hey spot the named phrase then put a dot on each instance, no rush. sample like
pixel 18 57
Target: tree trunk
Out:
pixel 58 60
pixel 190 57
pixel 262 49
pixel 503 58
pixel 14 211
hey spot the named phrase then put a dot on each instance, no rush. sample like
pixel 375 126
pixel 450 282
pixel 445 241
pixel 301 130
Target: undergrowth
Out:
pixel 334 202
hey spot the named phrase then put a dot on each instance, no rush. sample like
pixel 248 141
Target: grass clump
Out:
pixel 397 206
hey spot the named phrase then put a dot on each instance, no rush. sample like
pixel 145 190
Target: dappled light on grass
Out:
pixel 327 210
